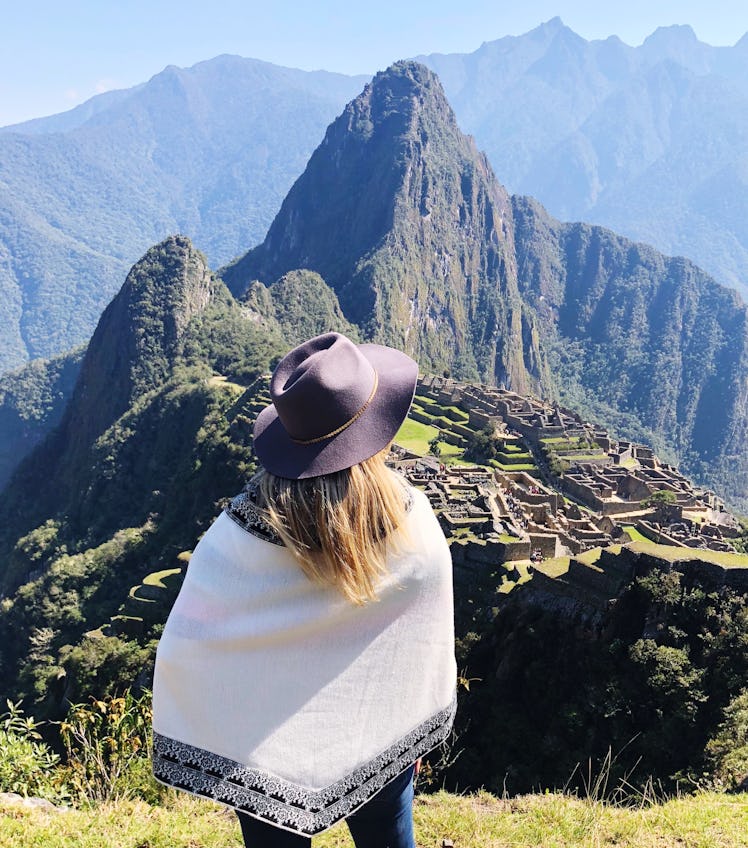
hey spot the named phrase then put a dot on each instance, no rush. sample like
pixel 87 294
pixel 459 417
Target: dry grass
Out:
pixel 472 821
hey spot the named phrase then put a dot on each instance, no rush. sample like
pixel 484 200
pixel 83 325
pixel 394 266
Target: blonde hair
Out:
pixel 339 526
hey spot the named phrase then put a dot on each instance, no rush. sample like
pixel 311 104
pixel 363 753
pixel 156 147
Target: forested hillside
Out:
pixel 645 140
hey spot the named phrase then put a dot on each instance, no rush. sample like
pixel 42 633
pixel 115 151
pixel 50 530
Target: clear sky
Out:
pixel 54 55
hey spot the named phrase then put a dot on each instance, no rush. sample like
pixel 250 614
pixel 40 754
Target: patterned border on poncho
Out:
pixel 281 802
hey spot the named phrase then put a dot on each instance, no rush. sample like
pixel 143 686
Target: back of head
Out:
pixel 339 526
pixel 336 409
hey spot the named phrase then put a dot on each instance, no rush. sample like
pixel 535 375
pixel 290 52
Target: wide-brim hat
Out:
pixel 335 404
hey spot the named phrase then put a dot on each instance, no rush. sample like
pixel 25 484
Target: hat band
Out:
pixel 347 423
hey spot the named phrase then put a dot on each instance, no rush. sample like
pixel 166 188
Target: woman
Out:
pixel 308 661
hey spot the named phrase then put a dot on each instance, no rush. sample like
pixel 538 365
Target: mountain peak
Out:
pixel 548 28
pixel 668 37
pixel 397 95
pixel 403 218
pixel 139 334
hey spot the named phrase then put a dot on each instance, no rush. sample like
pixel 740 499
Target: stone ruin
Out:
pixel 502 516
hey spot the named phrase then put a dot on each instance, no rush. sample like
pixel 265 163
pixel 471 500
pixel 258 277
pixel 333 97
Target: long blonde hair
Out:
pixel 339 526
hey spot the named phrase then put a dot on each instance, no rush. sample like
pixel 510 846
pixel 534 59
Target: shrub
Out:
pixel 727 751
pixel 108 743
pixel 27 765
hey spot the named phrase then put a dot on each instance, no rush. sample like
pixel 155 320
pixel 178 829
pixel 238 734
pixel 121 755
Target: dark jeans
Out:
pixel 386 821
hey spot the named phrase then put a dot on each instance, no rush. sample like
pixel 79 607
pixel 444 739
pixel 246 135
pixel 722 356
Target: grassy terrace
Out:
pixel 514 466
pixel 671 553
pixel 161 578
pixel 634 534
pixel 707 820
pixel 558 566
pixel 415 437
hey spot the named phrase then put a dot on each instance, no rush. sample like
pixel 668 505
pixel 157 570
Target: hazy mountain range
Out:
pixel 209 151
pixel 648 140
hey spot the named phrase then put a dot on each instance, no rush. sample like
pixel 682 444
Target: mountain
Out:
pixel 645 140
pixel 32 402
pixel 648 343
pixel 426 263
pixel 150 441
pixel 97 523
pixel 300 305
pixel 209 151
pixel 440 261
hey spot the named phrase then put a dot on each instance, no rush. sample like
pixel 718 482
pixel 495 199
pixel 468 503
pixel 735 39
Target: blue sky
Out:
pixel 54 55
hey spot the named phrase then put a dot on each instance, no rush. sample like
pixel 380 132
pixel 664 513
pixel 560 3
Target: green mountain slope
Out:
pixel 639 337
pixel 32 401
pixel 156 434
pixel 403 218
pixel 209 151
pixel 301 304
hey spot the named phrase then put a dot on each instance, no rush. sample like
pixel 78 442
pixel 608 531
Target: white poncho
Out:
pixel 280 698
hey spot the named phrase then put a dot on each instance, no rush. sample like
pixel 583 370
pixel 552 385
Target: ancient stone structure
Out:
pixel 599 489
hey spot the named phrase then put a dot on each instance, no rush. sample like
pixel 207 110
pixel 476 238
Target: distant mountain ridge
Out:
pixel 646 140
pixel 209 151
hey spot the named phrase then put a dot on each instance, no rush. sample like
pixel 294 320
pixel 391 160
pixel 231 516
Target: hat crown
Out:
pixel 321 386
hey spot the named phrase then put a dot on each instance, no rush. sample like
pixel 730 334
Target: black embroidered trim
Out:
pixel 246 512
pixel 281 802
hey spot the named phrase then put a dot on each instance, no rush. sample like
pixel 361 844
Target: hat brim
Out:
pixel 370 433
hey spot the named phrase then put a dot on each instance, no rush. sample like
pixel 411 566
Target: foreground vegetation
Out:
pixel 473 821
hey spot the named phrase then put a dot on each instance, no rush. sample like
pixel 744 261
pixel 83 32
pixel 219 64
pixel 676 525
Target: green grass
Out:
pixel 553 820
pixel 515 466
pixel 160 578
pixel 224 382
pixel 634 534
pixel 512 457
pixel 457 415
pixel 415 437
pixel 136 595
pixel 424 400
pixel 671 553
pixel 554 567
pixel 708 820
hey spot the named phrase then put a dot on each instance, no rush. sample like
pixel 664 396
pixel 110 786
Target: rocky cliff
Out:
pixel 403 217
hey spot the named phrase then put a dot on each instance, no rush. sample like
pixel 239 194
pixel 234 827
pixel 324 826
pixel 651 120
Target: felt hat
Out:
pixel 335 404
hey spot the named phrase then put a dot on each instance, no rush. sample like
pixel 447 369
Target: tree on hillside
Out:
pixel 482 445
pixel 727 751
pixel 662 502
